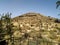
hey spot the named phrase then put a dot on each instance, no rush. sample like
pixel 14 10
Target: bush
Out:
pixel 57 20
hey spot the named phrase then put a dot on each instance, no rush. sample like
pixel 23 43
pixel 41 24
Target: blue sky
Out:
pixel 18 7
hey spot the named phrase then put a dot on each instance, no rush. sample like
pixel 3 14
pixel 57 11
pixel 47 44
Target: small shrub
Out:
pixel 57 21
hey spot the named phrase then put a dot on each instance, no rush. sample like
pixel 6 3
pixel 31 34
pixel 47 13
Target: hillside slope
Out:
pixel 37 25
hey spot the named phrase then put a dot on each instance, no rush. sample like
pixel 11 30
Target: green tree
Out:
pixel 58 4
pixel 1 28
pixel 8 25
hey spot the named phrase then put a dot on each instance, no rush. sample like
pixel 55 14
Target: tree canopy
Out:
pixel 6 25
pixel 58 4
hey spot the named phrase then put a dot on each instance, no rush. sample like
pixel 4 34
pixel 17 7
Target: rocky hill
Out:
pixel 33 29
pixel 36 25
